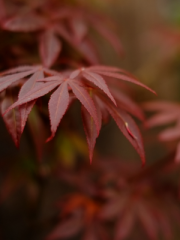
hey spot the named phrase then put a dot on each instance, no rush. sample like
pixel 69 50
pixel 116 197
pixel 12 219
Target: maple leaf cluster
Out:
pixel 115 192
pixel 112 199
pixel 51 23
pixel 167 113
pixel 95 86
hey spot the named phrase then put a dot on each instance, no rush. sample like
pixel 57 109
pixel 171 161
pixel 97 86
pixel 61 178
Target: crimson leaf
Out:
pixel 86 101
pixel 13 118
pixel 6 81
pixel 90 131
pixel 36 92
pixel 98 81
pixel 26 108
pixel 128 127
pixel 58 105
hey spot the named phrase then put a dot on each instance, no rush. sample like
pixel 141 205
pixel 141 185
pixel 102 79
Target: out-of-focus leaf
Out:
pixel 49 47
pixel 161 119
pixel 25 23
pixel 109 35
pixel 88 50
pixel 79 29
pixel 147 219
pixel 170 134
pixel 129 128
pixel 168 113
pixel 66 229
pixel 126 103
pixel 113 208
pixel 85 47
pixel 164 224
pixel 125 224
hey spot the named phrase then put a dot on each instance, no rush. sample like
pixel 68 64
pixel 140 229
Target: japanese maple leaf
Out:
pixel 68 23
pixel 49 47
pixel 90 131
pixel 83 212
pixel 167 113
pixel 59 100
pixel 49 43
pixel 144 202
pixel 16 125
pixel 78 81
pixel 124 102
pixel 126 124
pixel 127 207
pixel 167 40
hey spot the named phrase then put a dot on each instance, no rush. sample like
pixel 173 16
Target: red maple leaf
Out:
pixel 167 113
pixel 88 87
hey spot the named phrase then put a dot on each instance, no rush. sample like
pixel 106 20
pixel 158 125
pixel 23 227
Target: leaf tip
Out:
pixel 17 144
pixel 49 138
pixel 155 93
pixel 143 163
pixel 90 155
